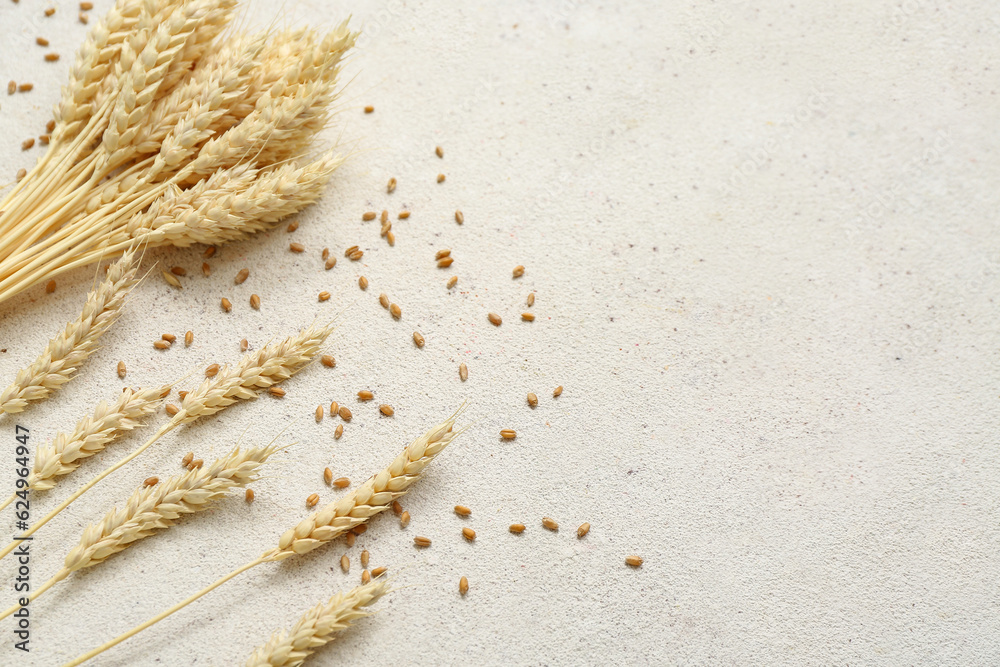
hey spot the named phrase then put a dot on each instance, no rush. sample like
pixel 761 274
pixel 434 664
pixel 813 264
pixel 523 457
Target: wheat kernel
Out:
pixel 369 109
pixel 328 360
pixel 365 577
pixel 386 410
pixel 549 523
pixel 86 6
pixel 292 226
pixel 186 461
pixel 360 530
pixel 494 319
pixel 532 399
pixel 296 247
pixel 368 216
pixel 397 509
pixel 312 500
pixel 161 344
pixel 350 539
pixel 319 413
pixel 353 248
pixel 41 41
pixel 327 475
pixel 339 432
pixel 463 585
pixel 445 262
pixel 516 528
pixel 50 11
pixel 27 143
pixel 121 369
pixel 171 280
pixel 11 87
pixel 182 394
pixel 206 270
pixel 634 561
pixel 452 282
pixel 442 253
pixel 330 263
pixel 334 407
pixel 188 338
pixel 341 482
pixel 21 173
pixel 462 510
pixel 151 481
pixel 277 392
pixel 508 434
pixel 518 271
pixel 209 252
pixel 582 530
pixel 170 338
pixel 528 317
pixel 83 18
pixel 44 139
pixel 557 391
pixel 463 372
pixel 325 254
pixel 255 301
pixel 403 215
pixel 378 571
pixel 439 151
pixel 212 371
pixel 226 304
pixel 384 300
pixel 25 87
pixel 197 463
pixel 356 255
pixel 459 217
pixel 422 541
pixel 384 217
pixel 404 519
pixel 249 495
pixel 418 339
pixel 531 300
pixel 51 57
pixel 344 413
pixel 396 311
pixel 178 270
pixel 242 276
pixel 469 534
pixel 365 556
pixel 390 237
pixel 391 186
pixel 365 395
pixel 363 282
pixel 440 178
pixel 244 345
pixel 324 296
pixel 50 287
pixel 171 409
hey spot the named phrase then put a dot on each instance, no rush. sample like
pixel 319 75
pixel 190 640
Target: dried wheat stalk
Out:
pixel 374 496
pixel 265 367
pixel 65 353
pixel 154 508
pixel 166 112
pixel 318 626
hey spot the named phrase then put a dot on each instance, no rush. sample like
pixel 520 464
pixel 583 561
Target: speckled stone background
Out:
pixel 763 238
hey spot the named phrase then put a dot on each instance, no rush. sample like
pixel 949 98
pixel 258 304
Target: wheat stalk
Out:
pixel 67 351
pixel 374 496
pixel 265 367
pixel 150 509
pixel 318 626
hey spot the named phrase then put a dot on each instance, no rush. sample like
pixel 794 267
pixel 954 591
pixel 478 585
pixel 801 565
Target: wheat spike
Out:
pixel 92 434
pixel 158 507
pixel 374 496
pixel 65 353
pixel 318 626
pixel 262 368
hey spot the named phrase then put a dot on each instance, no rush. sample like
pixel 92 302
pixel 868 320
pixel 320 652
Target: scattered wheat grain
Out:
pixel 241 276
pixel 339 432
pixel 528 317
pixel 463 372
pixel 463 585
pixel 121 369
pixel 634 561
pixel 557 391
pixel 249 496
pixel 549 523
pixel 188 338
pixel 418 339
pixel 312 500
pixel 328 360
pixel 369 109
pixel 296 247
pixel 226 304
pixel 532 399
pixel 277 392
pixel 319 413
pixel 516 528
pixel 445 262
pixel 25 87
pixel 397 509
pixel 469 534
pixel 363 282
pixel 440 178
pixel 383 300
pixel 212 371
pixel 386 410
pixel 508 434
pixel 494 319
pixel 27 143
pixel 255 301
pixel 421 541
pixel 396 311
pixel 341 482
pixel 161 344
pixel 459 217
pixel 327 475
pixel 391 187
pixel 186 461
pixel 462 510
pixel 403 215
pixel 344 413
pixel 365 395
pixel 150 481
pixel 518 271
pixel 324 296
pixel 442 253
pixel 41 41
pixel 404 519
pixel 379 571
pixel 582 530
pixel 171 280
pixel 452 282
pixel 439 151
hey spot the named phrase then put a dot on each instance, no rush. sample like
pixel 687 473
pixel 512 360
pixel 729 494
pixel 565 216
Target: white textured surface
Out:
pixel 763 237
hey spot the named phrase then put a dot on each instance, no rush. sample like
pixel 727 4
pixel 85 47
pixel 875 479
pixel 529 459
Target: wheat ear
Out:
pixel 374 496
pixel 318 626
pixel 263 368
pixel 154 508
pixel 67 351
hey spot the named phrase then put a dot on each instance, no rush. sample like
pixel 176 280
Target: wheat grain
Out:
pixel 528 317
pixel 364 558
pixel 404 519
pixel 317 627
pixel 582 530
pixel 342 482
pixel 469 534
pixel 634 561
pixel 67 351
pixel 516 528
pixel 462 510
pixel 557 391
pixel 532 399
pixel 550 523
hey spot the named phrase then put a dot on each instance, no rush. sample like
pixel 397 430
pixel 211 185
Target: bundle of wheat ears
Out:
pixel 172 131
